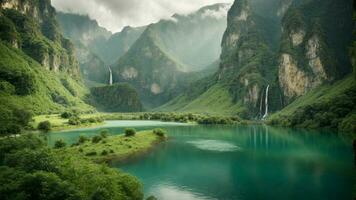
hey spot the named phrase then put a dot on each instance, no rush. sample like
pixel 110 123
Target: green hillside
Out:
pixel 216 100
pixel 328 106
pixel 25 84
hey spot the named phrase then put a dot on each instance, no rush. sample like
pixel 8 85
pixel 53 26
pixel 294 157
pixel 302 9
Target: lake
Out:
pixel 237 162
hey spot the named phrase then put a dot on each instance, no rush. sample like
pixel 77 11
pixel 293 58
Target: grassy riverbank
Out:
pixel 59 123
pixel 118 148
pixel 89 120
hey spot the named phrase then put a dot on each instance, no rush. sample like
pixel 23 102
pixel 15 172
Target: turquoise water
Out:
pixel 239 162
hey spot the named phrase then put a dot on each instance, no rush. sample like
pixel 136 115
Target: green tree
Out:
pixel 129 132
pixel 44 126
pixel 60 144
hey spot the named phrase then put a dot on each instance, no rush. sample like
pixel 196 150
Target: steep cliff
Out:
pixel 275 51
pixel 149 68
pixel 32 27
pixel 314 44
pixel 116 98
pixel 119 43
pixel 38 68
pixel 247 61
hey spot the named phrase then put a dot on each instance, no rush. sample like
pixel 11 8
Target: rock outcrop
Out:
pixel 40 37
pixel 310 53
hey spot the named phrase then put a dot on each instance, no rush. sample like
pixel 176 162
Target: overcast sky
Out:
pixel 115 14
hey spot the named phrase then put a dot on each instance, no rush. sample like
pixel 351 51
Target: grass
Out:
pixel 320 94
pixel 45 83
pixel 59 123
pixel 118 147
pixel 216 100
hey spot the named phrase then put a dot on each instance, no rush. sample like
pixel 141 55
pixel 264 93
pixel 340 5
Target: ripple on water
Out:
pixel 215 145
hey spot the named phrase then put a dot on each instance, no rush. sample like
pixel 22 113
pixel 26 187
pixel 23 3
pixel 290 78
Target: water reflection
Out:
pixel 242 162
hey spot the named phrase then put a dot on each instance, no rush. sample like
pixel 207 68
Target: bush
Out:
pixel 59 144
pixel 104 153
pixel 104 133
pixel 159 132
pixel 96 139
pixel 92 153
pixel 129 132
pixel 151 198
pixel 82 139
pixel 44 126
pixel 74 121
pixel 66 115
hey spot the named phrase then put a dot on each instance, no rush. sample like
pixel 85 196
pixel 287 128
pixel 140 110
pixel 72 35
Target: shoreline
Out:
pixel 118 148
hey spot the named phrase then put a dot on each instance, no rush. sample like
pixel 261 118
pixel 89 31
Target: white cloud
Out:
pixel 218 14
pixel 115 14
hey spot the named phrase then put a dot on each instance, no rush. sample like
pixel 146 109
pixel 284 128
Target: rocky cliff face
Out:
pixel 37 34
pixel 149 68
pixel 313 44
pixel 247 64
pixel 300 43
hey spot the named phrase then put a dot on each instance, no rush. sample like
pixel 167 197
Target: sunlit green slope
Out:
pixel 25 84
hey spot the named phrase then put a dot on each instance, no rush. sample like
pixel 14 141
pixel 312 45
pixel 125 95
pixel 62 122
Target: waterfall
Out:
pixel 261 102
pixel 266 103
pixel 110 76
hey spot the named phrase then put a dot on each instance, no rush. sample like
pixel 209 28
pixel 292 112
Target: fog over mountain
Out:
pixel 114 15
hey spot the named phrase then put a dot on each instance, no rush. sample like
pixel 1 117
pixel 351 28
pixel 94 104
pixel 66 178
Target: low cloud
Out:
pixel 116 14
pixel 218 14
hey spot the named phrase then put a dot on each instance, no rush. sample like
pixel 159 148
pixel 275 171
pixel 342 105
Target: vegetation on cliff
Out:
pixel 116 98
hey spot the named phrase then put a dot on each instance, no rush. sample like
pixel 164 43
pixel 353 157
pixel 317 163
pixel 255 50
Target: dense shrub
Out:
pixel 92 153
pixel 129 132
pixel 66 115
pixel 334 113
pixel 82 139
pixel 104 153
pixel 44 126
pixel 13 121
pixel 31 171
pixel 74 121
pixel 59 144
pixel 96 139
pixel 7 87
pixel 104 133
pixel 159 132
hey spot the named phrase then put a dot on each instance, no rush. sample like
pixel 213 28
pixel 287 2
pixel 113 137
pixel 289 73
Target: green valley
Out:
pixel 175 100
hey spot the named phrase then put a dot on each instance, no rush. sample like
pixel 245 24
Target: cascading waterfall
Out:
pixel 110 76
pixel 266 103
pixel 261 102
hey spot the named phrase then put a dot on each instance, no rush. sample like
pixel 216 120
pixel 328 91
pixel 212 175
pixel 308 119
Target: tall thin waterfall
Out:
pixel 266 103
pixel 110 76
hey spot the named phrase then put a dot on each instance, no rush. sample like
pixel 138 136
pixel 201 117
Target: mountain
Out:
pixel 95 46
pixel 152 71
pixel 314 57
pixel 247 63
pixel 89 39
pixel 84 30
pixel 275 53
pixel 162 60
pixel 32 27
pixel 38 68
pixel 314 45
pixel 119 43
pixel 194 39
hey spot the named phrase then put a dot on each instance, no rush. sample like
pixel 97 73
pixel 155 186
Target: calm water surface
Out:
pixel 238 162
